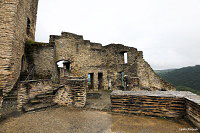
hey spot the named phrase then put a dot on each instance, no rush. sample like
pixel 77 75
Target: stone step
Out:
pixel 10 98
pixel 11 95
pixel 44 96
pixel 36 107
pixel 44 100
pixel 93 95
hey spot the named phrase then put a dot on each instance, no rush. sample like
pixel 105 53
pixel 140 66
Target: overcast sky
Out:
pixel 167 31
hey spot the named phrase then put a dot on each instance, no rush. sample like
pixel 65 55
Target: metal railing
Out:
pixel 31 72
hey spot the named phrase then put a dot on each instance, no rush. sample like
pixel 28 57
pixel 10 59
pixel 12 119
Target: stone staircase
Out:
pixel 11 96
pixel 41 101
pixel 9 105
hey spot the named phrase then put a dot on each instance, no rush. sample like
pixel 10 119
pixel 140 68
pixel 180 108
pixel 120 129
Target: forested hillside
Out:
pixel 183 77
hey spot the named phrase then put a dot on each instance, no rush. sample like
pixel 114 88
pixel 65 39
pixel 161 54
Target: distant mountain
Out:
pixel 164 71
pixel 185 77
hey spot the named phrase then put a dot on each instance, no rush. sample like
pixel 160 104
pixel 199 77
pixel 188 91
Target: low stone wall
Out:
pixel 35 92
pixel 193 110
pixel 173 104
pixel 33 95
pixel 77 91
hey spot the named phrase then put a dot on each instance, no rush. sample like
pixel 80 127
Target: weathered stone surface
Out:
pixel 158 103
pixel 43 93
pixel 42 57
pixel 193 112
pixel 179 94
pixel 77 90
pixel 14 30
pixel 35 90
pixel 64 96
pixel 149 80
pixel 106 64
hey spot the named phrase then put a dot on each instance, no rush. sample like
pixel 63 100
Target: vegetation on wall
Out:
pixel 29 50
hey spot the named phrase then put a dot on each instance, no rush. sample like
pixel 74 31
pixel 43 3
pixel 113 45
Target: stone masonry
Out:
pixel 174 104
pixel 17 24
pixel 104 66
pixel 38 94
pixel 68 65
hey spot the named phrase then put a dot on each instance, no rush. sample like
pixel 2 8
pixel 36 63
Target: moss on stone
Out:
pixel 30 47
pixel 29 51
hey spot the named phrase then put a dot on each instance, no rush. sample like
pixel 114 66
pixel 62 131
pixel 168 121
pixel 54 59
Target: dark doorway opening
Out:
pixel 67 65
pixel 122 79
pixel 90 81
pixel 22 63
pixel 100 81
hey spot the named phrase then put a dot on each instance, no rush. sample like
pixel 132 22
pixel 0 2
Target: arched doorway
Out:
pixel 64 68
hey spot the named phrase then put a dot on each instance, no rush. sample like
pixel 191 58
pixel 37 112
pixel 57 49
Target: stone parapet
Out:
pixel 173 104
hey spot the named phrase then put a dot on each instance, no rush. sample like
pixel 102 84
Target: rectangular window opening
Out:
pixel 100 81
pixel 90 81
pixel 125 58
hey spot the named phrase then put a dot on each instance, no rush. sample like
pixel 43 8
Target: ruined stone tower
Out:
pixel 17 24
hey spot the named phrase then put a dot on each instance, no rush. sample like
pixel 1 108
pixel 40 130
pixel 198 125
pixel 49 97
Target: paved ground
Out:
pixel 70 120
pixel 102 104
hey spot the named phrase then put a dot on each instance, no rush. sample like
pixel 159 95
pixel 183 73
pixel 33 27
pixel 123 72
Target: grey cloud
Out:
pixel 167 31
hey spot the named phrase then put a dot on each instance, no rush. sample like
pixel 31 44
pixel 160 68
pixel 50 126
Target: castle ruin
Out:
pixel 65 69
pixel 114 66
pixel 111 67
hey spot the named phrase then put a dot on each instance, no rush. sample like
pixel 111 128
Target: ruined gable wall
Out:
pixel 148 78
pixel 85 57
pixel 14 14
pixel 82 54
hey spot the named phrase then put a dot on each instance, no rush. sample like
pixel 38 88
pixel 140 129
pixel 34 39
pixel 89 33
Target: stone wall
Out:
pixel 42 58
pixel 41 90
pixel 80 53
pixel 86 58
pixel 73 93
pixel 193 110
pixel 175 104
pixel 149 80
pixel 14 16
pixel 37 94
